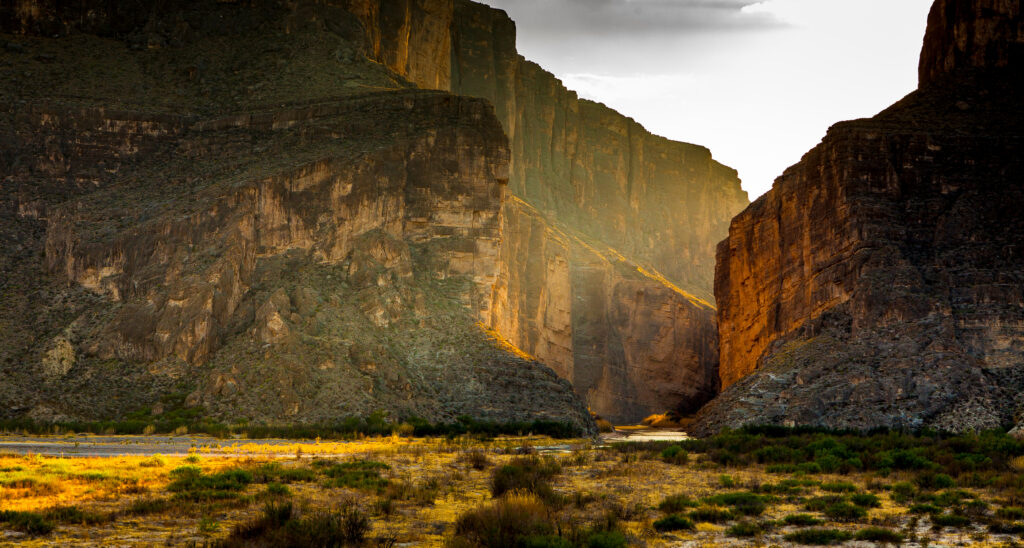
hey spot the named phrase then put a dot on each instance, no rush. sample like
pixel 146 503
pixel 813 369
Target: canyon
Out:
pixel 880 283
pixel 304 211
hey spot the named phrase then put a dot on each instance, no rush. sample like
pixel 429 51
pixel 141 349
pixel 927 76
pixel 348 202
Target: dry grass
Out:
pixel 430 485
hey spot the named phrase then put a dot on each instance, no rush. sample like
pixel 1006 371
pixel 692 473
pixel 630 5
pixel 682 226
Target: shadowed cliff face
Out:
pixel 582 272
pixel 265 249
pixel 878 284
pixel 585 169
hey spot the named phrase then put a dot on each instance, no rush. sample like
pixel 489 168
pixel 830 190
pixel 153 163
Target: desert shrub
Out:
pixel 819 537
pixel 673 522
pixel 933 481
pixel 924 508
pixel 1003 528
pixel 605 539
pixel 76 516
pixel 802 520
pixel 529 474
pixel 156 461
pixel 711 514
pixel 604 426
pixel 477 460
pixel 818 504
pixel 745 529
pixel 1010 513
pixel 839 487
pixel 879 535
pixel 781 468
pixel 278 490
pixel 950 520
pixel 280 525
pixel 190 483
pixel 727 481
pixel 866 500
pixel 364 475
pixel 778 454
pixel 142 507
pixel 746 503
pixel 544 541
pixel 902 492
pixel 505 521
pixel 904 459
pixel 275 472
pixel 677 503
pixel 675 454
pixel 31 523
pixel 844 511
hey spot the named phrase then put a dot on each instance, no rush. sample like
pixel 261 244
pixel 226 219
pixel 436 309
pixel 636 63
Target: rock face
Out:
pixel 656 205
pixel 630 342
pixel 266 252
pixel 879 283
pixel 582 271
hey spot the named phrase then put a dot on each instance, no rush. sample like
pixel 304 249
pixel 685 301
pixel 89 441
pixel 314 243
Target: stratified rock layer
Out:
pixel 880 283
pixel 267 252
pixel 659 206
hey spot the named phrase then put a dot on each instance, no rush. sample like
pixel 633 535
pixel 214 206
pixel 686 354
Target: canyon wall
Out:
pixel 879 282
pixel 247 248
pixel 624 316
pixel 659 206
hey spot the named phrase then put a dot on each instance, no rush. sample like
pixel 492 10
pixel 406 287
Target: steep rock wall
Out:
pixel 582 168
pixel 879 282
pixel 274 252
pixel 630 343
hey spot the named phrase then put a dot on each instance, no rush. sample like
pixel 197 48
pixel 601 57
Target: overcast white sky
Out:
pixel 757 82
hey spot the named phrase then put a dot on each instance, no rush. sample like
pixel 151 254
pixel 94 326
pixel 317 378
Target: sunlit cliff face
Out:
pixel 756 82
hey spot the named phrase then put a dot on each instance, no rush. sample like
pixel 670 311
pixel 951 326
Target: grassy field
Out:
pixel 754 487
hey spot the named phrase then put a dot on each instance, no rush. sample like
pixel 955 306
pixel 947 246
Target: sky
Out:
pixel 757 82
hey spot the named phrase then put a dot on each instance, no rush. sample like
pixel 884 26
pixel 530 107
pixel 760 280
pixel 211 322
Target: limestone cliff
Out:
pixel 631 343
pixel 879 282
pixel 281 230
pixel 613 321
pixel 586 169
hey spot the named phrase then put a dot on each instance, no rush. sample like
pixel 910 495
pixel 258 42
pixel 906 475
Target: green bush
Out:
pixel 677 503
pixel 819 537
pixel 529 474
pixel 673 522
pixel 839 487
pixel 606 539
pixel 866 500
pixel 879 535
pixel 802 520
pixel 844 511
pixel 950 520
pixel 711 514
pixel 1010 513
pixel 27 522
pixel 364 475
pixel 749 504
pixel 190 483
pixel 675 454
pixel 933 481
pixel 504 522
pixel 544 541
pixel 745 529
pixel 923 508
pixel 143 507
pixel 278 490
pixel 819 504
pixel 73 515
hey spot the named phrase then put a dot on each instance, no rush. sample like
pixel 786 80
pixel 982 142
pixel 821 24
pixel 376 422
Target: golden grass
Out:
pixel 433 483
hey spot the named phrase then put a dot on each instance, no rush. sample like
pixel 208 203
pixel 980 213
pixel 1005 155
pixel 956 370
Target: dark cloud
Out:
pixel 639 36
pixel 632 17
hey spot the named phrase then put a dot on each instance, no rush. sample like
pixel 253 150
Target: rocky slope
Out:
pixel 266 224
pixel 879 283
